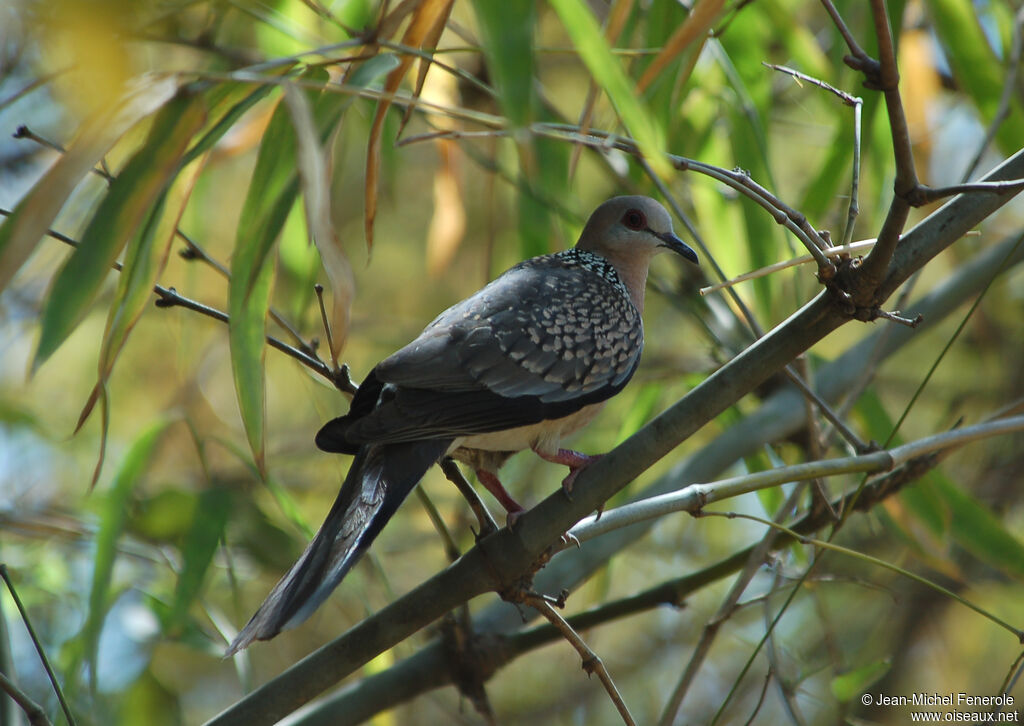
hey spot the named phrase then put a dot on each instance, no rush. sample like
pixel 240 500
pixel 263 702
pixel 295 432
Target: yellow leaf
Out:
pixel 429 15
pixel 448 224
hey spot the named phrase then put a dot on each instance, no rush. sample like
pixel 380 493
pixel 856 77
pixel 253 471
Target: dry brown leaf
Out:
pixel 430 41
pixel 389 23
pixel 696 26
pixel 427 16
pixel 617 17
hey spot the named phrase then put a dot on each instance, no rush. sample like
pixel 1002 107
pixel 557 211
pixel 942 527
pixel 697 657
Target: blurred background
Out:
pixel 134 583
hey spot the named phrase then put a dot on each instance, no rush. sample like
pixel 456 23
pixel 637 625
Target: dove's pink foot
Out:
pixel 494 486
pixel 576 462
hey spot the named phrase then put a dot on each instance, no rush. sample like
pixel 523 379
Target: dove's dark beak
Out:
pixel 670 241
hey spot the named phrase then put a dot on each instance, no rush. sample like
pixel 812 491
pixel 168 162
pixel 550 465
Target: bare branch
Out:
pixel 6 577
pixel 592 663
pixel 169 297
pixel 33 711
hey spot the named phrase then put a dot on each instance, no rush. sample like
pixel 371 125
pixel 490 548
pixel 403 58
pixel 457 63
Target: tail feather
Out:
pixel 379 480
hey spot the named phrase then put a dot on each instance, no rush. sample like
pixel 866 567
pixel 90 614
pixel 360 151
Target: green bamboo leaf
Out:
pixel 275 179
pixel 35 213
pixel 134 285
pixel 145 257
pixel 113 515
pixel 373 69
pixel 139 271
pixel 851 684
pixel 201 542
pixel 586 35
pixel 144 260
pixel 246 334
pixel 272 193
pixel 506 29
pixel 130 199
pixel 226 93
pixel 507 33
pixel 738 56
pixel 660 19
pixel 975 528
pixel 975 66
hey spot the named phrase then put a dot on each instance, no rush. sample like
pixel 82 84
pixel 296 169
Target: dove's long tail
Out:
pixel 379 480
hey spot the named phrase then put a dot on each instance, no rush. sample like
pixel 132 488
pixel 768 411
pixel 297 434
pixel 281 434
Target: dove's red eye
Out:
pixel 634 219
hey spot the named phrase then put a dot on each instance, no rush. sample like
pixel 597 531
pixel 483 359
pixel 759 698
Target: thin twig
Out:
pixel 674 592
pixel 455 476
pixel 192 249
pixel 760 699
pixel 450 548
pixel 848 38
pixel 725 610
pixel 592 663
pixel 24 132
pixel 853 210
pixel 848 99
pixel 29 88
pixel 36 642
pixel 823 544
pixel 939 358
pixel 1013 675
pixel 786 690
pixel 883 75
pixel 833 418
pixel 738 179
pixel 844 250
pixel 694 497
pixel 33 711
pixel 319 290
pixel 815 439
pixel 169 297
pixel 925 195
pixel 857 103
pixel 747 314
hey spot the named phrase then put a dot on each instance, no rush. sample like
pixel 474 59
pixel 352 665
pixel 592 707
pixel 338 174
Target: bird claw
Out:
pixel 569 538
pixel 568 482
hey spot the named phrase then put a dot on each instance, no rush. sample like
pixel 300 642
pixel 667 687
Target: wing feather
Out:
pixel 540 342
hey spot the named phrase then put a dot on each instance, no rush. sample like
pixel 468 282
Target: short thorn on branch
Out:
pixel 895 317
pixel 167 299
pixel 557 600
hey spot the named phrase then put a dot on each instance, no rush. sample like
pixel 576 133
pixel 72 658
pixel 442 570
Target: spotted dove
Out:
pixel 526 361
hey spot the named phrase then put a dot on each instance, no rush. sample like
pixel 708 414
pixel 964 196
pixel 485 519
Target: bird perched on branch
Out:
pixel 529 359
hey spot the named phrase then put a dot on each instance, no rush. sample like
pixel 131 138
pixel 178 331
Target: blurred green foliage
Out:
pixel 211 483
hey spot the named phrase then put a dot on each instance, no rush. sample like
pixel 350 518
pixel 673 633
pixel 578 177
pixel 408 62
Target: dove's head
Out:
pixel 628 232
